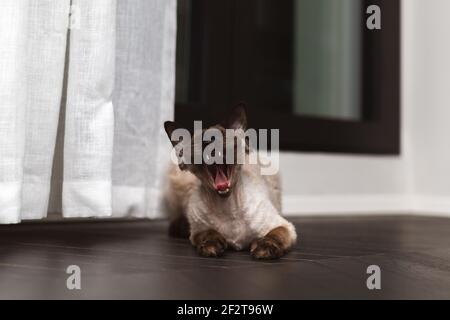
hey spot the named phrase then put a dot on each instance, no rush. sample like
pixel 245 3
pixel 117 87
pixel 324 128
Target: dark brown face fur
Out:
pixel 209 173
pixel 219 177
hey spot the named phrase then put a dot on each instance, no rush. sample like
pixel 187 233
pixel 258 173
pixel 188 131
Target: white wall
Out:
pixel 316 183
pixel 418 179
pixel 429 97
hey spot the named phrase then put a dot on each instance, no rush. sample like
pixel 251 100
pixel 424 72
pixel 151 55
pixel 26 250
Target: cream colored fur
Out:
pixel 251 211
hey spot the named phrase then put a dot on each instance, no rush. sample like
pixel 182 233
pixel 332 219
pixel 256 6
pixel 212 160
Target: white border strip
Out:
pixel 344 204
pixel 432 205
pixel 365 204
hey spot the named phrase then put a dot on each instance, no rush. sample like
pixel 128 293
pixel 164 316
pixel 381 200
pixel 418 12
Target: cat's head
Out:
pixel 214 147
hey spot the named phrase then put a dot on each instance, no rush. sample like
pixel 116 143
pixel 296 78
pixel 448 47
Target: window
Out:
pixel 308 67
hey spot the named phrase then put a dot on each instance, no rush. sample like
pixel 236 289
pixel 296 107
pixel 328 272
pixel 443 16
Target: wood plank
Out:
pixel 136 259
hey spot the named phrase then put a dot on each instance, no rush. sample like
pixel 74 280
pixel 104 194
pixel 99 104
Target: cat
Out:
pixel 218 206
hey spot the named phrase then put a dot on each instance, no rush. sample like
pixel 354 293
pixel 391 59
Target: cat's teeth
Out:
pixel 224 191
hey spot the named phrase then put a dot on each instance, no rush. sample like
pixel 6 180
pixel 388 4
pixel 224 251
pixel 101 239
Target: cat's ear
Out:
pixel 237 118
pixel 170 127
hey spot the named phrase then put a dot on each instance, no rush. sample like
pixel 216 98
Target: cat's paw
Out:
pixel 266 248
pixel 209 243
pixel 211 248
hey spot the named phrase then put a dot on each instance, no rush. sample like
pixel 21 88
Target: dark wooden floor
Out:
pixel 136 260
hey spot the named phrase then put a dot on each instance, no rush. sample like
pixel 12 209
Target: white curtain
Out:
pixel 144 94
pixel 119 75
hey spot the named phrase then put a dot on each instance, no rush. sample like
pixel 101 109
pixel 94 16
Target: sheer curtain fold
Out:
pixel 89 119
pixel 47 25
pixel 120 89
pixel 143 99
pixel 13 57
pixel 32 46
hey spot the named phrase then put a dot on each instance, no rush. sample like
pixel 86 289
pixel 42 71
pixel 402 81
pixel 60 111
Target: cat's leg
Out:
pixel 274 244
pixel 179 227
pixel 209 243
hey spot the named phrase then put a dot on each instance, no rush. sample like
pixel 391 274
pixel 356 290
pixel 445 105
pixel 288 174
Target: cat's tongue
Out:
pixel 221 181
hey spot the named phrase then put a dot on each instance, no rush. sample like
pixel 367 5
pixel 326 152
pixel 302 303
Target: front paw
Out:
pixel 209 243
pixel 211 248
pixel 266 248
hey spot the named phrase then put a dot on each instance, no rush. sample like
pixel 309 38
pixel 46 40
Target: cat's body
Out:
pixel 218 204
pixel 249 213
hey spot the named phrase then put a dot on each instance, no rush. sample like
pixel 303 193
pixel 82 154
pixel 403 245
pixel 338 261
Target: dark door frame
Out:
pixel 213 45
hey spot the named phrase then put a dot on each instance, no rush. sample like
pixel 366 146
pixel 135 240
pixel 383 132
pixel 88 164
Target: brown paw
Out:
pixel 211 248
pixel 266 248
pixel 210 243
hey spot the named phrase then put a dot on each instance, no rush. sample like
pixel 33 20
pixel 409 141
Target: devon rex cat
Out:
pixel 227 205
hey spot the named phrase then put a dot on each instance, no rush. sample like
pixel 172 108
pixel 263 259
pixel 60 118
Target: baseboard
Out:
pixel 365 204
pixel 432 205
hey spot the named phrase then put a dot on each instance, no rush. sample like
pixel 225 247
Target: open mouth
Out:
pixel 220 175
